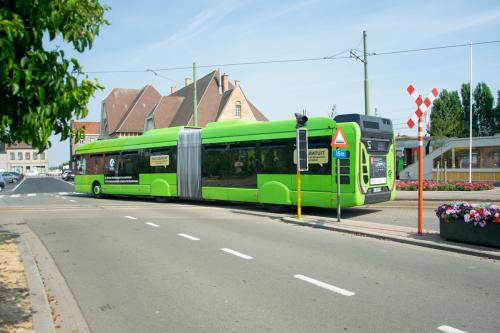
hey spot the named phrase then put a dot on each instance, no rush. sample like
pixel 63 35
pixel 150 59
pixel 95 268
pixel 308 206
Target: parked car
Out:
pixel 17 176
pixel 8 177
pixel 2 183
pixel 32 173
pixel 70 175
pixel 65 173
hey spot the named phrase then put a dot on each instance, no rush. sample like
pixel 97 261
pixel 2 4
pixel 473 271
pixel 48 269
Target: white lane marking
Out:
pixel 236 253
pixel 63 193
pixel 31 194
pixel 73 200
pixel 15 188
pixel 324 285
pixel 152 224
pixel 449 329
pixel 1 196
pixel 15 195
pixel 64 198
pixel 189 237
pixel 131 217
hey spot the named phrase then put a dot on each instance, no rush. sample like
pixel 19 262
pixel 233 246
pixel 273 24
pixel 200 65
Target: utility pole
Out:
pixel 367 93
pixel 365 62
pixel 195 98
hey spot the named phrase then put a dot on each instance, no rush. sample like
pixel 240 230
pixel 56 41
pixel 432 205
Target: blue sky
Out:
pixel 163 34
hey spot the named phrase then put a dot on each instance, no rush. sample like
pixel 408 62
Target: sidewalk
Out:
pixel 492 196
pixel 395 233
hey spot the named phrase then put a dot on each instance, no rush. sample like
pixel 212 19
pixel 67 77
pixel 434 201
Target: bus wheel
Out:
pixel 278 208
pixel 97 190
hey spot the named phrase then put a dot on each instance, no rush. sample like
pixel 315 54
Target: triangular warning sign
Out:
pixel 339 139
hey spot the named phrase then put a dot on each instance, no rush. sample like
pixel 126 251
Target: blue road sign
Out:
pixel 340 153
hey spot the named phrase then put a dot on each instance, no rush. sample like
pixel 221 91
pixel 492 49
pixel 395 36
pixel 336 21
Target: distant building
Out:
pixel 449 158
pixel 24 158
pixel 3 158
pixel 128 112
pixel 92 132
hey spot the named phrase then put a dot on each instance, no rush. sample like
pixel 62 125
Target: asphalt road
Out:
pixel 140 266
pixel 41 185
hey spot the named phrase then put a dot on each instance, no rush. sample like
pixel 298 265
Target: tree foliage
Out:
pixel 450 114
pixel 483 108
pixel 40 89
pixel 447 117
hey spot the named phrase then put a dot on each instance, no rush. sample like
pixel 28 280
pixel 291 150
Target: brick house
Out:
pixel 127 112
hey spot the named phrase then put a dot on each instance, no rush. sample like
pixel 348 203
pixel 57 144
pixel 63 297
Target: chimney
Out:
pixel 225 83
pixel 173 89
pixel 187 81
pixel 236 83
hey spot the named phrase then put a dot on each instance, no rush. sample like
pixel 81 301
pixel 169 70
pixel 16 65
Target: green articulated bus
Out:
pixel 245 161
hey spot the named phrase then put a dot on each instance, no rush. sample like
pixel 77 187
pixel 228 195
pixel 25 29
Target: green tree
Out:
pixel 465 94
pixel 483 107
pixel 40 89
pixel 447 117
pixel 496 113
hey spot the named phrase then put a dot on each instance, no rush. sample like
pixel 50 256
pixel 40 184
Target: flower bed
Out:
pixel 467 223
pixel 431 185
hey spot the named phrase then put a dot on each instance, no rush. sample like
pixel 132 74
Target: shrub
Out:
pixel 480 214
pixel 431 185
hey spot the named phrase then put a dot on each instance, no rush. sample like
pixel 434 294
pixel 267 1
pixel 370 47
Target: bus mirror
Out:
pixel 301 119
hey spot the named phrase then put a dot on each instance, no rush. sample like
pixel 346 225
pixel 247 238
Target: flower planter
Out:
pixel 459 231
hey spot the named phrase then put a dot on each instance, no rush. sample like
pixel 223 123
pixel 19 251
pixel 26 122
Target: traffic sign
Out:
pixel 303 155
pixel 422 105
pixel 340 153
pixel 339 140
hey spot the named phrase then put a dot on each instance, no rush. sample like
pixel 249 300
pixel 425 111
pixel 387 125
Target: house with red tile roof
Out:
pixel 127 112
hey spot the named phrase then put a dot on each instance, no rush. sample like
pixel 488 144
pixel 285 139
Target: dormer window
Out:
pixel 237 110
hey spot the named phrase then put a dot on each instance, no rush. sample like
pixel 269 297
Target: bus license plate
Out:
pixel 377 189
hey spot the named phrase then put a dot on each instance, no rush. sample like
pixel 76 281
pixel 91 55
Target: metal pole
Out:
pixel 299 209
pixel 195 98
pixel 470 118
pixel 338 189
pixel 420 173
pixel 365 58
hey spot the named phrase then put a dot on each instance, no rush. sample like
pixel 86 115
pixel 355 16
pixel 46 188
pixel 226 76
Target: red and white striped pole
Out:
pixel 422 106
pixel 420 172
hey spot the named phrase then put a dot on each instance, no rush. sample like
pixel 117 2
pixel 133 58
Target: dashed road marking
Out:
pixel 131 217
pixel 152 224
pixel 324 285
pixel 63 193
pixel 15 195
pixel 1 196
pixel 449 329
pixel 189 237
pixel 31 194
pixel 73 200
pixel 236 253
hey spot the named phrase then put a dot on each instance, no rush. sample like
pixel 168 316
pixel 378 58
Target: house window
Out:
pixel 20 156
pixel 27 156
pixel 35 156
pixel 149 124
pixel 12 156
pixel 42 156
pixel 237 110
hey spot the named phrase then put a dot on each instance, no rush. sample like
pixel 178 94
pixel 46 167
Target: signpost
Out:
pixel 339 141
pixel 422 106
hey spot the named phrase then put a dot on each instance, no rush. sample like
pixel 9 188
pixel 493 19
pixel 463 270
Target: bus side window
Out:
pixel 170 167
pixel 111 164
pixel 276 157
pixel 320 156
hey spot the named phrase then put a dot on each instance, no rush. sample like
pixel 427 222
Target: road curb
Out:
pixel 40 309
pixel 418 242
